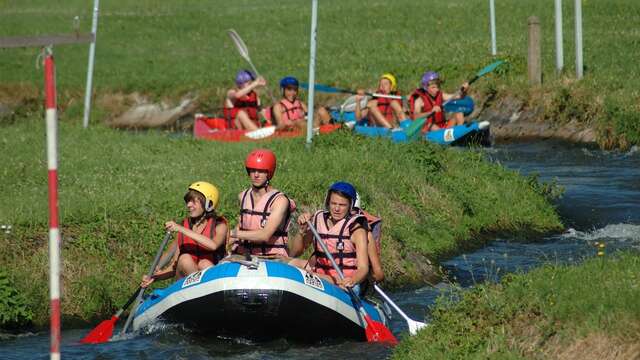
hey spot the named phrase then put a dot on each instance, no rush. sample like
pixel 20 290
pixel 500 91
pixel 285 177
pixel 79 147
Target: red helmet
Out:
pixel 262 159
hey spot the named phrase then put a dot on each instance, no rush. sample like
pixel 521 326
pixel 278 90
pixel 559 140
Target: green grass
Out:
pixel 118 188
pixel 171 48
pixel 549 312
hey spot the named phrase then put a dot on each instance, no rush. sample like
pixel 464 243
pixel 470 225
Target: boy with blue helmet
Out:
pixel 343 232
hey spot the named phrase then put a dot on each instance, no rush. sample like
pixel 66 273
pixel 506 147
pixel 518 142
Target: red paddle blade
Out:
pixel 377 332
pixel 101 333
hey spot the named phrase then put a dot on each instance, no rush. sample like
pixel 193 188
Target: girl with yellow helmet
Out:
pixel 382 111
pixel 201 237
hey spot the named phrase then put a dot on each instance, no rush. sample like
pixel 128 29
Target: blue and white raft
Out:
pixel 260 300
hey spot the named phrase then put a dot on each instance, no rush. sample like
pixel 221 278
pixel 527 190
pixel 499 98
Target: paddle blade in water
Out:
pixel 101 333
pixel 377 332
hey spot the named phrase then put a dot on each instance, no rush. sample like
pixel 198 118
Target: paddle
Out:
pixel 104 330
pixel 375 330
pixel 418 123
pixel 261 133
pixel 329 89
pixel 244 52
pixel 414 326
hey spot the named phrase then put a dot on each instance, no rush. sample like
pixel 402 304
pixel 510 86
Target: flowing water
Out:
pixel 601 203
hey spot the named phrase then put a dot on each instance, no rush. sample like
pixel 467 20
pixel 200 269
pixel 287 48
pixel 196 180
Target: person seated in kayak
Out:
pixel 265 212
pixel 428 100
pixel 242 104
pixel 373 240
pixel 201 238
pixel 290 112
pixel 382 111
pixel 345 234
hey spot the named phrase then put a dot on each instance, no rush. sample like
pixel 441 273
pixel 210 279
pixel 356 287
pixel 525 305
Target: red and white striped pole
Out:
pixel 54 232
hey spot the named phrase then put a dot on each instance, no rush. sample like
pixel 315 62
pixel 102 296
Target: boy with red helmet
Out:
pixel 265 212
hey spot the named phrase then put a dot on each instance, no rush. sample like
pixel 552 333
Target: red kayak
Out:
pixel 217 129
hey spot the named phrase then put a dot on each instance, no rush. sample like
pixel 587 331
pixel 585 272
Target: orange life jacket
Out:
pixel 189 246
pixel 427 104
pixel 292 111
pixel 254 217
pixel 338 241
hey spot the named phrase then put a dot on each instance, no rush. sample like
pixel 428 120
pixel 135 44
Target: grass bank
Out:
pixel 589 311
pixel 170 49
pixel 118 188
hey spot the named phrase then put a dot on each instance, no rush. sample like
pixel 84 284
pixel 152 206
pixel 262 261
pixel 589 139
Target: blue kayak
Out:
pixel 473 131
pixel 260 300
pixel 464 105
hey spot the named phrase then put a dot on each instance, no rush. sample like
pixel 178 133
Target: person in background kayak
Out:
pixel 242 104
pixel 345 234
pixel 427 101
pixel 290 112
pixel 265 212
pixel 201 238
pixel 381 111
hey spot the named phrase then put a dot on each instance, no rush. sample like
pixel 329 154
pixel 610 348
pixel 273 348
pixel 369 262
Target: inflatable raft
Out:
pixel 258 299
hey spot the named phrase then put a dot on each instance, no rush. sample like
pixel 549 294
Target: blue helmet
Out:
pixel 343 188
pixel 289 81
pixel 243 76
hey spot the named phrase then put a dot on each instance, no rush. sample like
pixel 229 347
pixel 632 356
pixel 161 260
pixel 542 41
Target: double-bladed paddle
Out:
pixel 334 90
pixel 375 330
pixel 244 52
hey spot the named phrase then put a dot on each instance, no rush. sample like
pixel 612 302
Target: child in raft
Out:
pixel 345 234
pixel 242 104
pixel 428 100
pixel 201 238
pixel 265 212
pixel 382 111
pixel 290 112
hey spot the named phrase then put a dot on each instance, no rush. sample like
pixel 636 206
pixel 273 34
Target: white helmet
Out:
pixel 357 203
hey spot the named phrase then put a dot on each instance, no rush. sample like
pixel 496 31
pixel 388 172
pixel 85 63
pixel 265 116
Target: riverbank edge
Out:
pixel 547 312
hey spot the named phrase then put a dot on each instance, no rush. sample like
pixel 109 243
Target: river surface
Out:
pixel 601 203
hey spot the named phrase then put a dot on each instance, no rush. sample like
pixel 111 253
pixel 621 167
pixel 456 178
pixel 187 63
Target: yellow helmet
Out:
pixel 210 193
pixel 392 79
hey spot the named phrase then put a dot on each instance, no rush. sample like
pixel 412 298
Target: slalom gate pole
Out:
pixel 51 119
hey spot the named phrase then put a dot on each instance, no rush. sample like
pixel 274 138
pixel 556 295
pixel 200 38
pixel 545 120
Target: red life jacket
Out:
pixel 384 105
pixel 427 104
pixel 292 111
pixel 248 103
pixel 252 219
pixel 189 246
pixel 338 241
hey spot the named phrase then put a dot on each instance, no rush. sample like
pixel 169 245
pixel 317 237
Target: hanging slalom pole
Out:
pixel 51 119
pixel 92 55
pixel 312 70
